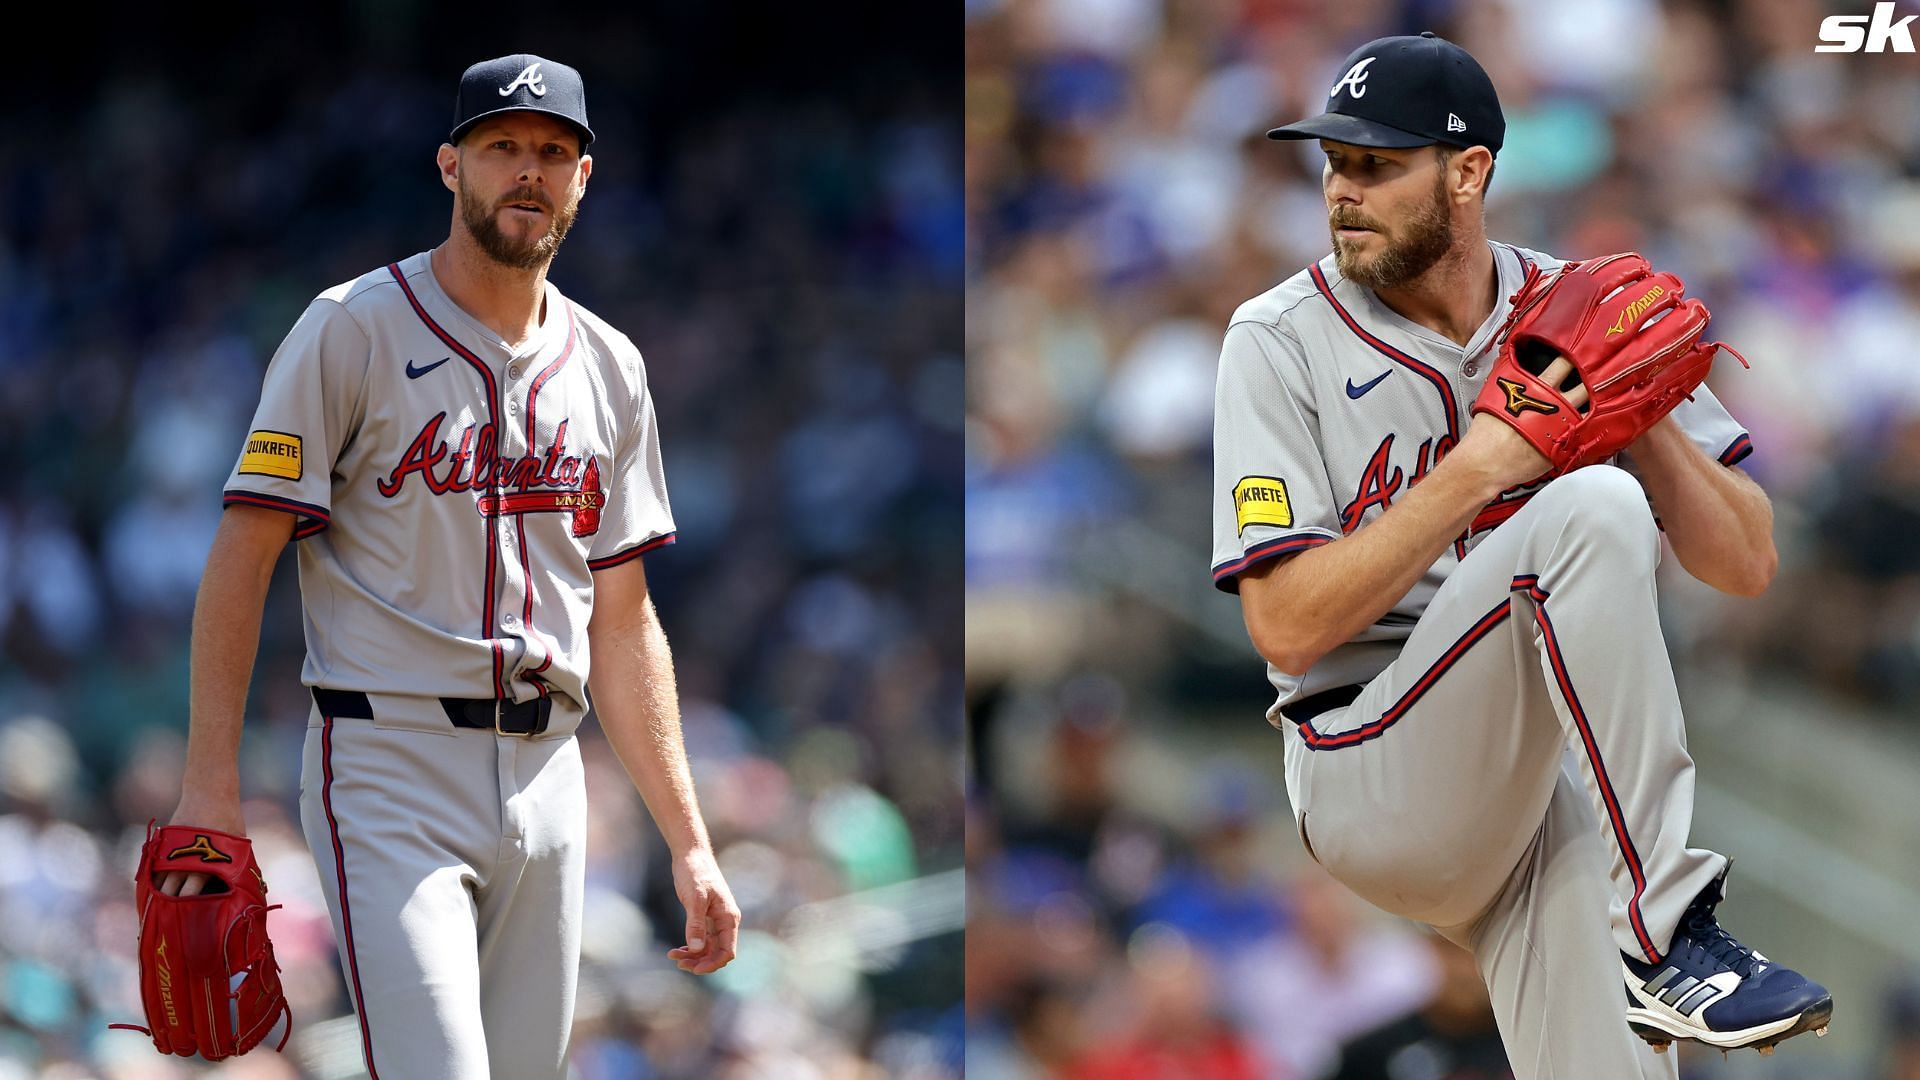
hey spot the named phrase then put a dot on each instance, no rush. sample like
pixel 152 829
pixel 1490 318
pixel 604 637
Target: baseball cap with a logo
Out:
pixel 520 83
pixel 1405 92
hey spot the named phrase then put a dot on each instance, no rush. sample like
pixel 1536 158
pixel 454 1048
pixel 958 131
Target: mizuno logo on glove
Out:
pixel 1518 401
pixel 202 847
pixel 164 971
pixel 1635 310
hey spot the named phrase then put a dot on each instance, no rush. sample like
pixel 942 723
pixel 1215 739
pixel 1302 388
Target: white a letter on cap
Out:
pixel 531 79
pixel 1355 80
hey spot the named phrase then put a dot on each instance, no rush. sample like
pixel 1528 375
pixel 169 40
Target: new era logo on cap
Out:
pixel 522 82
pixel 1388 93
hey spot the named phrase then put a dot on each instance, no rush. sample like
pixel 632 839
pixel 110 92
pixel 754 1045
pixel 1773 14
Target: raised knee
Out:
pixel 1606 501
pixel 1598 485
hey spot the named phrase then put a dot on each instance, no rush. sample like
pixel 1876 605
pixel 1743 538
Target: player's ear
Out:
pixel 586 168
pixel 1469 171
pixel 448 159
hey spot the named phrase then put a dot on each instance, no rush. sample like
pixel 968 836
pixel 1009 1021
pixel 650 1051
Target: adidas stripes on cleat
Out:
pixel 1714 990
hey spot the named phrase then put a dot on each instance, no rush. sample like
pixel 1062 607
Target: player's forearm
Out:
pixel 1300 609
pixel 638 704
pixel 226 638
pixel 1718 520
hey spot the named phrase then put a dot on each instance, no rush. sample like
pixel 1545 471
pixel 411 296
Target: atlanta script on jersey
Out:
pixel 453 496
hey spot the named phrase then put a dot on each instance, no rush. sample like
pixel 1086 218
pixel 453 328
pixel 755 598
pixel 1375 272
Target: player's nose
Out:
pixel 1338 188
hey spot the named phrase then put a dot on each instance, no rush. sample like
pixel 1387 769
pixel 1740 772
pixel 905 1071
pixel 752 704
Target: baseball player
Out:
pixel 471 465
pixel 1482 729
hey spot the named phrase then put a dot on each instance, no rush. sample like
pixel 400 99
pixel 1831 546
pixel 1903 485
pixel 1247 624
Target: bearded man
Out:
pixel 485 473
pixel 1482 729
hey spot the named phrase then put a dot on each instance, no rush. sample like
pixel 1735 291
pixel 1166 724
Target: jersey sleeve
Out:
pixel 1271 494
pixel 311 403
pixel 638 518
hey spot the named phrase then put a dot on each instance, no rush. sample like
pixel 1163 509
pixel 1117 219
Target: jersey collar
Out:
pixel 1510 271
pixel 475 334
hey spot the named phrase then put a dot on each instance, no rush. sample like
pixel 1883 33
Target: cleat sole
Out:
pixel 1814 1019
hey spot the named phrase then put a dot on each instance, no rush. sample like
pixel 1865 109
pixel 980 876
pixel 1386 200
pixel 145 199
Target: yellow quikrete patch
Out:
pixel 272 453
pixel 1261 500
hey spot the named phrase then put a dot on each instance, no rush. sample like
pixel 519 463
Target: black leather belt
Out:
pixel 1325 701
pixel 487 714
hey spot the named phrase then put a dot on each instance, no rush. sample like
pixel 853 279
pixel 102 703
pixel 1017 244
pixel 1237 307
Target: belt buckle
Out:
pixel 539 725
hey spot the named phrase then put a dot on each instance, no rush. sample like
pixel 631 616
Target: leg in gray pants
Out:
pixel 1519 779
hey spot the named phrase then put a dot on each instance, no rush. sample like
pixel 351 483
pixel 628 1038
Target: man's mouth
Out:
pixel 527 207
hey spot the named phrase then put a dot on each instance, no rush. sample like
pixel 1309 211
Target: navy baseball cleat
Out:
pixel 1714 990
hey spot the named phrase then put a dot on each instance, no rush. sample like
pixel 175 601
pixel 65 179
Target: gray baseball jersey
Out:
pixel 454 496
pixel 1437 763
pixel 1330 405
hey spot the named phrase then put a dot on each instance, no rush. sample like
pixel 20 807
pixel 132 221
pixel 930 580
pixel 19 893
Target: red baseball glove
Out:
pixel 208 979
pixel 1633 338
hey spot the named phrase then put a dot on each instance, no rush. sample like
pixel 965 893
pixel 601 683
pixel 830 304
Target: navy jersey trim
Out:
pixel 631 553
pixel 1736 453
pixel 1526 264
pixel 1418 367
pixel 520 520
pixel 310 519
pixel 491 431
pixel 1226 576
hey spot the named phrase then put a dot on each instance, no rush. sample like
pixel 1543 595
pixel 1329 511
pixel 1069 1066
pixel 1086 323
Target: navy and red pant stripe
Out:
pixel 1528 585
pixel 340 876
pixel 1616 817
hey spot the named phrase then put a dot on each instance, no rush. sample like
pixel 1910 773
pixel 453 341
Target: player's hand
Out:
pixel 207 812
pixel 1505 454
pixel 713 919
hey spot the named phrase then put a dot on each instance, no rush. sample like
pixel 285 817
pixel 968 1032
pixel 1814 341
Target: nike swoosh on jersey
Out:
pixel 414 372
pixel 1354 392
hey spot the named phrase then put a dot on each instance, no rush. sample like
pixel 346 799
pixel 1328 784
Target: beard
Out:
pixel 528 254
pixel 1410 251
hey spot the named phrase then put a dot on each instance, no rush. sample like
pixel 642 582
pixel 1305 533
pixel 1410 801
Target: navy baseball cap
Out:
pixel 522 82
pixel 1408 91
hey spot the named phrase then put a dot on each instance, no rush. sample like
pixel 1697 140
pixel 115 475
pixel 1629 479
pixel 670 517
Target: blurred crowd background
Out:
pixel 1139 906
pixel 780 231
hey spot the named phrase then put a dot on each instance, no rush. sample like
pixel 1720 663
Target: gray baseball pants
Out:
pixel 454 864
pixel 1518 778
